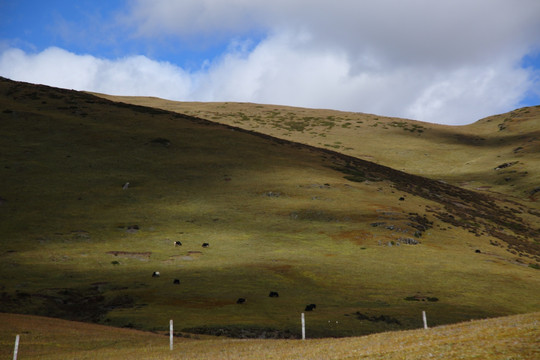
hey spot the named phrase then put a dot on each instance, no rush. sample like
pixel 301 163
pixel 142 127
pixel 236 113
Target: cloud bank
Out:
pixel 437 61
pixel 136 75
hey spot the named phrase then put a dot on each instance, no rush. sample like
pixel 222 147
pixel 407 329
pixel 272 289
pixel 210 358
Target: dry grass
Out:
pixel 513 337
pixel 463 155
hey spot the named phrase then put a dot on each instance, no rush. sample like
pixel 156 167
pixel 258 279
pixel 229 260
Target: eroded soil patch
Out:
pixel 131 254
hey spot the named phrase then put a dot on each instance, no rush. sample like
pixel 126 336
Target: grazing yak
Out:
pixel 205 245
pixel 176 282
pixel 310 307
pixel 241 301
pixel 273 294
pixel 177 243
pixel 156 274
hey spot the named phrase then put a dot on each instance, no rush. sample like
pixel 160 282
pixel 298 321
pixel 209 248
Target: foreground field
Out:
pixel 513 337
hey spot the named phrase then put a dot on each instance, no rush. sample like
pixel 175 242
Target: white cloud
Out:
pixel 469 93
pixel 284 70
pixel 135 75
pixel 281 70
pixel 441 61
pixel 395 31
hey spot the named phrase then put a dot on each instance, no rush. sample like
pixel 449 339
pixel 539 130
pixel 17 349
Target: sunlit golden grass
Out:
pixel 513 337
pixel 462 155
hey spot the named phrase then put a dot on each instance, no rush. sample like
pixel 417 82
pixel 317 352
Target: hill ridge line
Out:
pixel 454 199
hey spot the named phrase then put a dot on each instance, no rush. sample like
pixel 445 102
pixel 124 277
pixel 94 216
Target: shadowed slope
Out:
pixel 462 155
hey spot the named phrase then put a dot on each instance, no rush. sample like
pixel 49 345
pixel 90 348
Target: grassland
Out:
pixel 368 244
pixel 466 156
pixel 514 337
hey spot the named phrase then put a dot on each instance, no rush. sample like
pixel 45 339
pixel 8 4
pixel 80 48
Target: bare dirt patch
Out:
pixel 131 254
pixel 278 269
pixel 359 237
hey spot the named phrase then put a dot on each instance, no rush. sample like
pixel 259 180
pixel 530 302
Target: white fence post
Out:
pixel 16 350
pixel 303 327
pixel 425 319
pixel 171 334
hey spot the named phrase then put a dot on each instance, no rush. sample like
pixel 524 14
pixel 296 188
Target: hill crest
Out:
pixel 465 156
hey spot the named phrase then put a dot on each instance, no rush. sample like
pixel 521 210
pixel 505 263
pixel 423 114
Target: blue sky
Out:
pixel 431 60
pixel 93 27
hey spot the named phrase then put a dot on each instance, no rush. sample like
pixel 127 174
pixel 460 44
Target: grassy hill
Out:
pixel 466 156
pixel 371 246
pixel 514 337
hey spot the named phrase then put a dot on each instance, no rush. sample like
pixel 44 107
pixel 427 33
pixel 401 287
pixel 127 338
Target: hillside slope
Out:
pixel 514 337
pixel 369 245
pixel 468 156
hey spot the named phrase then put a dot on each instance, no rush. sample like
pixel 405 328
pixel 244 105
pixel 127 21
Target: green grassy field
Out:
pixel 371 246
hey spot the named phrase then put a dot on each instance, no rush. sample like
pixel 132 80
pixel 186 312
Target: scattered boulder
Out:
pixel 408 241
pixel 133 229
pixel 506 165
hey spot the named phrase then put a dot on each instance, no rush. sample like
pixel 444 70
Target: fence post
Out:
pixel 303 327
pixel 16 350
pixel 425 319
pixel 171 332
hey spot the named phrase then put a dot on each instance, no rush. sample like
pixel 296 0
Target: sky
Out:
pixel 448 62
